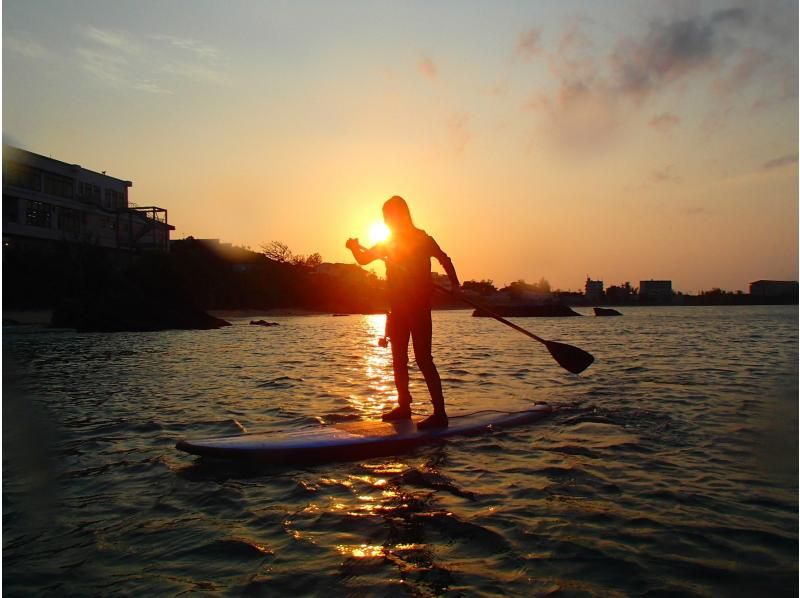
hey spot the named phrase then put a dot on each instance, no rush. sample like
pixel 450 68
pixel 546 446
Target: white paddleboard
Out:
pixel 351 440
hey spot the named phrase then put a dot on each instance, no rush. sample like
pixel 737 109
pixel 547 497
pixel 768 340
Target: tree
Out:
pixel 482 287
pixel 313 260
pixel 277 251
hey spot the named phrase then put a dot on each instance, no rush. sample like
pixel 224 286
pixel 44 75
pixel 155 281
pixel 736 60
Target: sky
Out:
pixel 621 140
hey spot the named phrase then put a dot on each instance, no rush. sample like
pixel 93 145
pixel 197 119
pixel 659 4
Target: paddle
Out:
pixel 568 357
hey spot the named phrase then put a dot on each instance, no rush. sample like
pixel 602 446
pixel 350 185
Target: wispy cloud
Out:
pixel 151 64
pixel 594 95
pixel 114 70
pixel 664 122
pixel 110 39
pixel 664 175
pixel 427 68
pixel 750 62
pixel 25 47
pixel 199 49
pixel 787 160
pixel 458 132
pixel 529 44
pixel 670 51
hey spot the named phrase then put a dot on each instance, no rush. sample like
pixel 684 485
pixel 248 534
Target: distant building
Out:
pixel 773 288
pixel 46 200
pixel 655 290
pixel 594 289
pixel 441 280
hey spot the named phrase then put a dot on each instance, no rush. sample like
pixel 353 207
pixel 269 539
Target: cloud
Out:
pixel 664 122
pixel 669 51
pixel 114 71
pixel 111 39
pixel 153 64
pixel 786 160
pixel 458 132
pixel 742 72
pixel 528 44
pixel 594 94
pixel 199 49
pixel 25 47
pixel 194 72
pixel 428 69
pixel 664 175
pixel 580 116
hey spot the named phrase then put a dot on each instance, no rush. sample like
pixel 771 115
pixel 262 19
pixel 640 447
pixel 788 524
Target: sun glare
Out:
pixel 378 232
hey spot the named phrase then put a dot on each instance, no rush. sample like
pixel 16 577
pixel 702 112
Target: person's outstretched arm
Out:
pixel 363 256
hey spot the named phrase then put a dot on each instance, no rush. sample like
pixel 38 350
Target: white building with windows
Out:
pixel 49 200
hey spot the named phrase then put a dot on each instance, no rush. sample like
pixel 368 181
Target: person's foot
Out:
pixel 397 414
pixel 433 422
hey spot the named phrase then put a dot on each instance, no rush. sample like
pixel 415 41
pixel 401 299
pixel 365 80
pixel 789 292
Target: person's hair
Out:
pixel 395 211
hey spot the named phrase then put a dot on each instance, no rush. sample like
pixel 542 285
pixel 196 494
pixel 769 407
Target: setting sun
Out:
pixel 378 232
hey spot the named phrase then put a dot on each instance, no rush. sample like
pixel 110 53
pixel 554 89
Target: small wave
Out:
pixel 435 481
pixel 281 382
pixel 336 418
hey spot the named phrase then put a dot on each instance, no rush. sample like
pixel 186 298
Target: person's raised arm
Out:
pixel 363 256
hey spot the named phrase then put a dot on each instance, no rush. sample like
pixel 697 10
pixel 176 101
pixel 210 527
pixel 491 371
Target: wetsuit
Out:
pixel 408 274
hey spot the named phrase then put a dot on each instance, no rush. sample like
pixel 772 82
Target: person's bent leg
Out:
pixel 422 334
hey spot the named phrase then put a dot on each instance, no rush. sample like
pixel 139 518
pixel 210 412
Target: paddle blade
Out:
pixel 568 357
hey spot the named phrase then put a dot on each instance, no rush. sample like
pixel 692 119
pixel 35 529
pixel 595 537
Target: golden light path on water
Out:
pixel 378 370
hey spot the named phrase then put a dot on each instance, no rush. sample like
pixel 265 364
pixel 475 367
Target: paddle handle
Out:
pixel 490 313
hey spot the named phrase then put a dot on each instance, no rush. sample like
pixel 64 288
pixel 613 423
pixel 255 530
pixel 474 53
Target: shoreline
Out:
pixel 27 317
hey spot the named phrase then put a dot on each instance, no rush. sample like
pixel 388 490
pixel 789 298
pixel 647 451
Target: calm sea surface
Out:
pixel 670 469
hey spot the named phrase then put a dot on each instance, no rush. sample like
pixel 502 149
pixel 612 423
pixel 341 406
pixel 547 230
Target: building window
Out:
pixel 19 175
pixel 114 200
pixel 10 208
pixel 90 193
pixel 69 220
pixel 38 214
pixel 61 186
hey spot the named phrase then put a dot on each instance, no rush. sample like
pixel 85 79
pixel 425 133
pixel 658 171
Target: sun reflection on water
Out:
pixel 377 364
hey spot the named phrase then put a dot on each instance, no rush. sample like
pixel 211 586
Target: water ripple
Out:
pixel 669 469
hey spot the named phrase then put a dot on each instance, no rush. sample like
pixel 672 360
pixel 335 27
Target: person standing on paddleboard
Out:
pixel 408 253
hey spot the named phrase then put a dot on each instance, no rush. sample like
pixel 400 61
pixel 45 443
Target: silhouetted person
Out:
pixel 408 253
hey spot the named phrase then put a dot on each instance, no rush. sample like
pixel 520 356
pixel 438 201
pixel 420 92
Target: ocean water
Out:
pixel 670 468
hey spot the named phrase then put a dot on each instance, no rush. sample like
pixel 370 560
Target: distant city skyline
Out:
pixel 625 141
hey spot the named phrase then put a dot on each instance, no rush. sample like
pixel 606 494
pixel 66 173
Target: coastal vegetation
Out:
pixel 92 288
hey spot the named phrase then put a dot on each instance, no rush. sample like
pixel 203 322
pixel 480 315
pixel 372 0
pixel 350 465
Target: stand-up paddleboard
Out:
pixel 352 440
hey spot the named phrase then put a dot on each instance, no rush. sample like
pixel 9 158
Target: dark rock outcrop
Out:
pixel 603 311
pixel 262 323
pixel 102 316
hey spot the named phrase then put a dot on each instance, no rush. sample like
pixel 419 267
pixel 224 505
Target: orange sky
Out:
pixel 556 140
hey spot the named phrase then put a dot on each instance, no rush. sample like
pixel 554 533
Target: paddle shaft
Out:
pixel 490 313
pixel 568 357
